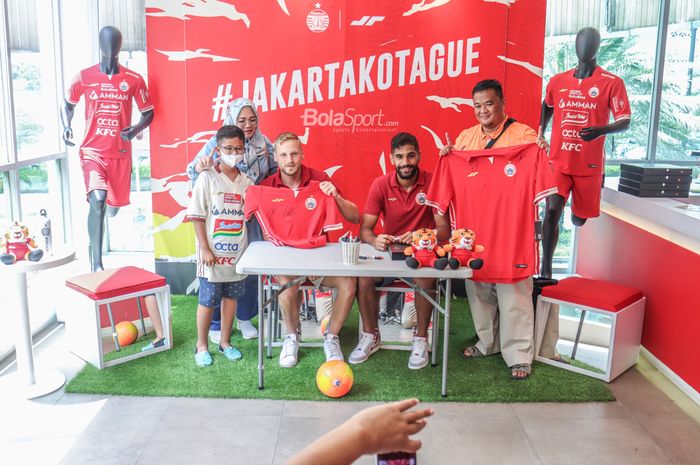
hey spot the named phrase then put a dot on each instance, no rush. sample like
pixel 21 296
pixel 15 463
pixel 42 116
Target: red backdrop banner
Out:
pixel 344 75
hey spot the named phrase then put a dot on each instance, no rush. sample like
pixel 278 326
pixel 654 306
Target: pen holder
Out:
pixel 351 251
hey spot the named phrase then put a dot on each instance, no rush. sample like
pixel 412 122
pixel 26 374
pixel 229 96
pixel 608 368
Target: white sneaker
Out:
pixel 248 330
pixel 215 336
pixel 331 347
pixel 419 354
pixel 368 344
pixel 290 347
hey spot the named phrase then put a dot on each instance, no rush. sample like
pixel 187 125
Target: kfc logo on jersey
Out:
pixel 226 260
pixel 420 198
pixel 576 118
pixel 123 86
pixel 232 198
pixel 571 147
pixel 105 132
pixel 510 170
pixel 317 20
pixel 593 92
pixel 310 203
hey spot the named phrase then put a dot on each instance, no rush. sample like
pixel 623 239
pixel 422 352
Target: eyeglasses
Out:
pixel 229 149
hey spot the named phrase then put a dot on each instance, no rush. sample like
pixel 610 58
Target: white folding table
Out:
pixel 266 259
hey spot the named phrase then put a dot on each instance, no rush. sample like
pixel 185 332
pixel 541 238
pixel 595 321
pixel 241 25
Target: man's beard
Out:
pixel 411 173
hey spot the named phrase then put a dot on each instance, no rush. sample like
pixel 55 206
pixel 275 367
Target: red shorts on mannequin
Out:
pixel 110 174
pixel 585 192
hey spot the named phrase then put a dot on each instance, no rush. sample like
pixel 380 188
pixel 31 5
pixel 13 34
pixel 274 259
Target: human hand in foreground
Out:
pixel 375 430
pixel 389 427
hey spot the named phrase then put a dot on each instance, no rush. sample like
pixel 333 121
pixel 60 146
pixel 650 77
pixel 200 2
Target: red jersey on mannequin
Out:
pixel 105 154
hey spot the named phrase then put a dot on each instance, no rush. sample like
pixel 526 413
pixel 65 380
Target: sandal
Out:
pixel 153 345
pixel 202 359
pixel 524 367
pixel 474 353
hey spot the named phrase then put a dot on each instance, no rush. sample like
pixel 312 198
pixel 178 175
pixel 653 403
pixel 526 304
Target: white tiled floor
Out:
pixel 651 422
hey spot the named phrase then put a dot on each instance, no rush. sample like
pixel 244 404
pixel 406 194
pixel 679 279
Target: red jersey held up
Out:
pixel 495 193
pixel 108 108
pixel 402 211
pixel 298 218
pixel 581 103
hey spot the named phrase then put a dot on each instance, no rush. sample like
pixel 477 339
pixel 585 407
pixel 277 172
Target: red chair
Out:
pixel 622 306
pixel 84 324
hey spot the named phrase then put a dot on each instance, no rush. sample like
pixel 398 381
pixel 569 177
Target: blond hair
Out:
pixel 284 137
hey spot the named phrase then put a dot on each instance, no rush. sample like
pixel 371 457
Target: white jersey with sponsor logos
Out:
pixel 581 103
pixel 219 202
pixel 108 108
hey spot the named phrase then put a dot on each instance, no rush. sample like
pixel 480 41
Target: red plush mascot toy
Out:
pixel 425 251
pixel 463 249
pixel 16 245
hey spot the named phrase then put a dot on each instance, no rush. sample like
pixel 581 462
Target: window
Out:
pixel 128 17
pixel 34 86
pixel 679 121
pixel 4 201
pixel 31 151
pixel 40 189
pixel 627 49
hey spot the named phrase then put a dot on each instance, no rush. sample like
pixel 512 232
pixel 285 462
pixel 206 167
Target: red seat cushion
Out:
pixel 592 293
pixel 113 283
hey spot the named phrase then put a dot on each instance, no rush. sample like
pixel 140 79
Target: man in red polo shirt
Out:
pixel 399 197
pixel 292 174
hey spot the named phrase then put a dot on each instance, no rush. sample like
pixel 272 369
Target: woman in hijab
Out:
pixel 258 163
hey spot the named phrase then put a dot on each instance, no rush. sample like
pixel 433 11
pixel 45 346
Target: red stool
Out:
pixel 621 305
pixel 84 327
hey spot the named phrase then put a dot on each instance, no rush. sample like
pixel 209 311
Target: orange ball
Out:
pixel 334 378
pixel 324 323
pixel 127 333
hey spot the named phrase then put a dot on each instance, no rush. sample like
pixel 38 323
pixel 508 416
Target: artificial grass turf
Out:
pixel 385 376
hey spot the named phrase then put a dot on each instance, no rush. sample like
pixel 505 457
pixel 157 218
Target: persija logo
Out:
pixel 228 228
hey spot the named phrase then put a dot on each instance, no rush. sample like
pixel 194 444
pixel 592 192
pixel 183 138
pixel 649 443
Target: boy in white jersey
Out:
pixel 216 210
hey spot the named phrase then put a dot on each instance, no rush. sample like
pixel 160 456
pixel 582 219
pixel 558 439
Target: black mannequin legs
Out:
pixel 96 224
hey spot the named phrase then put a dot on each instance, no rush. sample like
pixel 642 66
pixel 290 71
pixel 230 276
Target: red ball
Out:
pixel 127 333
pixel 334 378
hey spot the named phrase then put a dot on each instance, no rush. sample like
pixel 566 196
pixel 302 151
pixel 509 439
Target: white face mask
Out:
pixel 231 160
